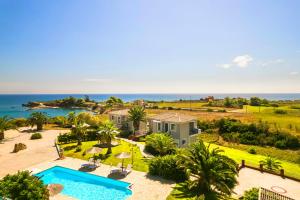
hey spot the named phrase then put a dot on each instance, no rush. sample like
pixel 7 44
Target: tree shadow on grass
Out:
pixel 67 148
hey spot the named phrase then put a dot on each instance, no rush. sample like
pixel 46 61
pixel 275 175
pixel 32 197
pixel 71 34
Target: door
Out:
pixel 166 127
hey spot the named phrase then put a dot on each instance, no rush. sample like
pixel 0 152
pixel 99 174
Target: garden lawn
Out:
pixel 291 169
pixel 139 163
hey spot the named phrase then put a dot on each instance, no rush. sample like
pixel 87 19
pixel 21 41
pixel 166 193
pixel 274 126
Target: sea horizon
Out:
pixel 11 104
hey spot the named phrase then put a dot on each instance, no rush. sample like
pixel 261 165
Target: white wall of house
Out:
pixel 179 131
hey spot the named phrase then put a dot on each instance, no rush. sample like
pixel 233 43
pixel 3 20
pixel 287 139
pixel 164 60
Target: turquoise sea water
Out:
pixel 11 105
pixel 85 186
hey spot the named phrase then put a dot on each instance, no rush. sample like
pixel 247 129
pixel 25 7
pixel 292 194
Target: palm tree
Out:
pixel 160 143
pixel 211 174
pixel 79 129
pixel 271 163
pixel 5 124
pixel 137 115
pixel 71 118
pixel 38 119
pixel 107 132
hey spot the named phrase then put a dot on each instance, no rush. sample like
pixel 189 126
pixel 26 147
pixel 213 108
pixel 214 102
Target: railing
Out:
pixel 265 194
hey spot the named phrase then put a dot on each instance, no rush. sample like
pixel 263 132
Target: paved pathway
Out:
pixel 37 150
pixel 249 178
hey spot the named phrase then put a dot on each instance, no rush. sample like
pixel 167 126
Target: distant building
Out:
pixel 183 128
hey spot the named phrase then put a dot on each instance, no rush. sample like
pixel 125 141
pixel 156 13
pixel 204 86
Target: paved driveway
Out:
pixel 37 150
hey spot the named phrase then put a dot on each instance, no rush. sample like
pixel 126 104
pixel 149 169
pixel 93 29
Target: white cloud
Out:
pixel 294 73
pixel 271 62
pixel 225 66
pixel 242 61
pixel 239 61
pixel 96 80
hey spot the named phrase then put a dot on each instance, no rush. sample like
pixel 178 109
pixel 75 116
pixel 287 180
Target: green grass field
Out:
pixel 289 122
pixel 139 163
pixel 291 169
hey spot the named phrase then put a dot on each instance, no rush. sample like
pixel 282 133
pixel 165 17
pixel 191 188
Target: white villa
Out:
pixel 120 119
pixel 183 128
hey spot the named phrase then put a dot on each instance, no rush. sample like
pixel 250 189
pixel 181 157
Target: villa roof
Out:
pixel 119 112
pixel 173 117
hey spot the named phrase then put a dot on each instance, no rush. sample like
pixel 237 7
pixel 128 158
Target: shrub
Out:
pixel 78 149
pixel 280 112
pixel 166 167
pixel 66 138
pixel 252 150
pixel 125 134
pixel 36 136
pixel 251 194
pixel 209 110
pixel 160 144
pixel 19 122
pixel 281 144
pixel 23 186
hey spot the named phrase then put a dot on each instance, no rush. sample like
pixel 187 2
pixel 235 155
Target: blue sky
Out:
pixel 153 46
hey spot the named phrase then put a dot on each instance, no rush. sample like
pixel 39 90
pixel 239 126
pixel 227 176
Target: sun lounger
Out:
pixel 116 169
pixel 89 165
pixel 126 171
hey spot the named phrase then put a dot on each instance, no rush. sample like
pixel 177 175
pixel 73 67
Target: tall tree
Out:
pixel 79 129
pixel 212 174
pixel 5 124
pixel 38 119
pixel 107 132
pixel 137 115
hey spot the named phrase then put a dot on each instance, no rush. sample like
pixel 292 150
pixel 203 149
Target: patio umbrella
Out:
pixel 122 156
pixel 54 189
pixel 94 150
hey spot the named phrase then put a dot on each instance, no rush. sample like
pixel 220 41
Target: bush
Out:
pixel 125 133
pixel 23 186
pixel 160 144
pixel 36 136
pixel 66 138
pixel 251 194
pixel 252 150
pixel 78 149
pixel 280 112
pixel 166 167
pixel 19 122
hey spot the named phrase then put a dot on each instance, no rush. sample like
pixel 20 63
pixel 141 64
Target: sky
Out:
pixel 141 46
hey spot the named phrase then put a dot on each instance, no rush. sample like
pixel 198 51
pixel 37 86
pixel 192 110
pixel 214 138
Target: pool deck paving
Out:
pixel 249 178
pixel 143 186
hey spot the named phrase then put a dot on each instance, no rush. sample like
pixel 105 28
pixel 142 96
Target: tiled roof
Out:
pixel 119 112
pixel 173 117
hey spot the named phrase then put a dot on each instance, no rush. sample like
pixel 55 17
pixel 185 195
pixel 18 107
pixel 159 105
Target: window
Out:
pixel 112 117
pixel 119 120
pixel 183 142
pixel 159 126
pixel 173 127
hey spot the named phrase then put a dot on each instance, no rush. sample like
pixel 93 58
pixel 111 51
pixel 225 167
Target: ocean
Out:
pixel 11 105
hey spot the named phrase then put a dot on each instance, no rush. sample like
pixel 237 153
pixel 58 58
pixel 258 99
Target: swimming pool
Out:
pixel 85 186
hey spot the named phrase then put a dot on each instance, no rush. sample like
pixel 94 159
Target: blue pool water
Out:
pixel 85 186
